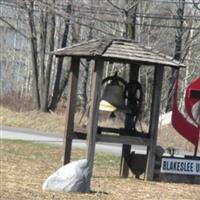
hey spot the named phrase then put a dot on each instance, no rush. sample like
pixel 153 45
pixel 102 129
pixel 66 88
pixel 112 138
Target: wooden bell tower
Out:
pixel 120 51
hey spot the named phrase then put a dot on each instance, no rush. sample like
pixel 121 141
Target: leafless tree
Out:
pixel 58 23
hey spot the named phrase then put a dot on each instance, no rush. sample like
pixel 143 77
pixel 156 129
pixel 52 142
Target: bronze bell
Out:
pixel 113 96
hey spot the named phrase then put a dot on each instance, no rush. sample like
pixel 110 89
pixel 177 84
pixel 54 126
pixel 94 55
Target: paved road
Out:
pixel 28 135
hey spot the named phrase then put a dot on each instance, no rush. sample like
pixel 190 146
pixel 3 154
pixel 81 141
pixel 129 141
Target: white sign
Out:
pixel 180 166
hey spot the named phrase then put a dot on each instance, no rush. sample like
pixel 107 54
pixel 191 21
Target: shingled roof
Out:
pixel 119 50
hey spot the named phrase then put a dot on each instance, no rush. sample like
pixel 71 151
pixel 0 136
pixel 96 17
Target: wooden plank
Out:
pixel 122 131
pixel 70 111
pixel 128 140
pixel 137 53
pixel 94 110
pixel 131 48
pixel 139 58
pixel 141 62
pixel 154 118
pixel 89 48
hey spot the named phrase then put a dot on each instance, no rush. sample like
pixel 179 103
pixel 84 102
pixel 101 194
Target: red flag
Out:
pixel 180 123
pixel 189 101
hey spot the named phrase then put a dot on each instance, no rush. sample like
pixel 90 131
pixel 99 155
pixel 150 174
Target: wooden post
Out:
pixel 93 115
pixel 153 128
pixel 124 169
pixel 70 111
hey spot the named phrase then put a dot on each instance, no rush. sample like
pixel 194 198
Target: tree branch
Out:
pixel 196 4
pixel 15 29
pixel 67 16
pixel 115 6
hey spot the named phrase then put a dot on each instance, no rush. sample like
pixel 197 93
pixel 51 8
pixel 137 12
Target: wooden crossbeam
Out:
pixel 129 140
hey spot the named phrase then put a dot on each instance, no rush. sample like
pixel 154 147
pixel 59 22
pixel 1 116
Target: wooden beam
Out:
pixel 122 131
pixel 93 115
pixel 128 140
pixel 126 149
pixel 70 111
pixel 154 118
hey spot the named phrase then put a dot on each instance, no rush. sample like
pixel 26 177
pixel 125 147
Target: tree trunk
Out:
pixel 86 68
pixel 45 95
pixel 57 89
pixel 42 50
pixel 34 56
pixel 177 53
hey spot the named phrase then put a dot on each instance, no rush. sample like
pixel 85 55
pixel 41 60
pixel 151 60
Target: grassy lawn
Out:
pixel 25 165
pixel 43 122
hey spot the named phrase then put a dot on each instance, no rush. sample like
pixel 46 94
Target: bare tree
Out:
pixel 178 49
pixel 61 82
pixel 156 24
